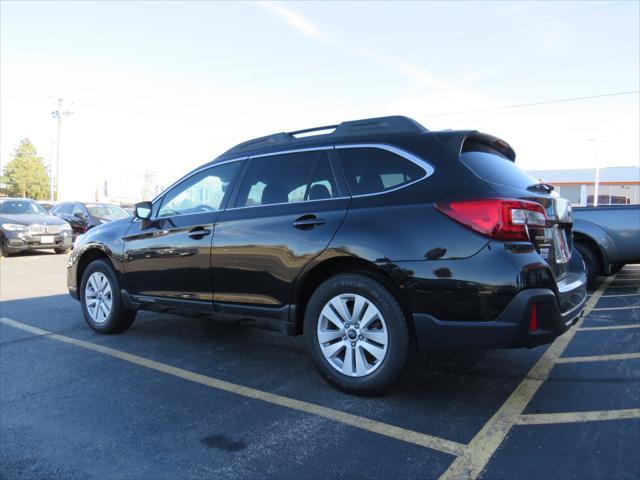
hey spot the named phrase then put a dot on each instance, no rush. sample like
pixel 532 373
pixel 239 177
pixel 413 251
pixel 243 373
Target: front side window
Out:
pixel 64 209
pixel 287 178
pixel 202 192
pixel 78 210
pixel 374 170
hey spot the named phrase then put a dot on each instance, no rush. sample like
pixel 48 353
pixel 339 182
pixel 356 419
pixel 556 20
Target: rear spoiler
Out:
pixel 464 141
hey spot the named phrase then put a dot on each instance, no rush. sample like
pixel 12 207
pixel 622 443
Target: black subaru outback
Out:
pixel 368 237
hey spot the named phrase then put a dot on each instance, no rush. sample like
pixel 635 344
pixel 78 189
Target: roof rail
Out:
pixel 355 128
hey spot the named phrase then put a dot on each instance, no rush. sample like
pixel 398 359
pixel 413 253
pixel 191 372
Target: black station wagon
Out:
pixel 369 237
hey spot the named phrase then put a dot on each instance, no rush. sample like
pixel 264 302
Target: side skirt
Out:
pixel 280 319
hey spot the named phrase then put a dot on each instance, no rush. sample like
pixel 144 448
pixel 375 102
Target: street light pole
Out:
pixel 597 185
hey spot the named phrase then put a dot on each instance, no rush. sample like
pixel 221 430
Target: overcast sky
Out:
pixel 167 86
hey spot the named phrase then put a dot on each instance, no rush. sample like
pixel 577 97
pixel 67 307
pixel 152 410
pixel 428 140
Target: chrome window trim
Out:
pixel 297 150
pixel 426 166
pixel 288 203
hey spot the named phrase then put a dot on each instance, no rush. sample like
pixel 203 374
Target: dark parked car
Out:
pixel 25 225
pixel 128 207
pixel 47 204
pixel 83 216
pixel 368 240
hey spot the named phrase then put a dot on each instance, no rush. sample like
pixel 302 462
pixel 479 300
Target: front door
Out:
pixel 169 256
pixel 286 210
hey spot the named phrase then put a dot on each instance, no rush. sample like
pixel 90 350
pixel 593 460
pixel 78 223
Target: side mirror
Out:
pixel 79 215
pixel 142 210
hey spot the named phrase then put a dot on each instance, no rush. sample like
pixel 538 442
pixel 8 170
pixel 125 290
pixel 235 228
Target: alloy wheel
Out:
pixel 353 335
pixel 98 297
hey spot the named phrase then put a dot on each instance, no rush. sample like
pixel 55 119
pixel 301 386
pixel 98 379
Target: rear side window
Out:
pixel 287 178
pixel 373 170
pixel 489 165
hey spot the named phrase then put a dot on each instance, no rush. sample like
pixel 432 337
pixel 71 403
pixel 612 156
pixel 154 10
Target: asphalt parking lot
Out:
pixel 181 398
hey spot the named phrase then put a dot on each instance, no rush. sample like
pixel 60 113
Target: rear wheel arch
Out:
pixel 313 278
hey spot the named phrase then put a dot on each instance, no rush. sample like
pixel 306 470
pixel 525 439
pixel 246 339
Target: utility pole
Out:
pixel 597 183
pixel 58 114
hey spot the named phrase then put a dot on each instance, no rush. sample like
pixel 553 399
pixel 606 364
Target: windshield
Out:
pixel 494 168
pixel 106 210
pixel 17 207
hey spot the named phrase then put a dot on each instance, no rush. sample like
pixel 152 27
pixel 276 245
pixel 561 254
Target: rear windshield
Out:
pixel 489 165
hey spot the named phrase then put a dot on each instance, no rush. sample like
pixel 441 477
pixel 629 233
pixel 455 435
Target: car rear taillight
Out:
pixel 533 321
pixel 502 219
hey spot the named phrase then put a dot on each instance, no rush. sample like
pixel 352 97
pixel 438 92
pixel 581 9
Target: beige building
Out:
pixel 617 185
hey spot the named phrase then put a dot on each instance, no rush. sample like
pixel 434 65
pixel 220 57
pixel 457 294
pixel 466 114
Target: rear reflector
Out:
pixel 533 322
pixel 502 219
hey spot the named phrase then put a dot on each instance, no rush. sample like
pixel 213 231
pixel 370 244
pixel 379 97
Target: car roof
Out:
pixel 369 130
pixel 365 128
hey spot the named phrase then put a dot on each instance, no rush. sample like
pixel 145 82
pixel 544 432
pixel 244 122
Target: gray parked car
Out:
pixel 25 225
pixel 607 238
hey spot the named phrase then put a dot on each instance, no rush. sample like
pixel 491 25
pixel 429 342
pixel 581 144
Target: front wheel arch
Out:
pixel 87 257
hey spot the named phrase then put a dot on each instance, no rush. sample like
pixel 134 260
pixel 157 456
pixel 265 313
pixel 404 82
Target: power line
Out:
pixel 516 26
pixel 503 107
pixel 545 102
pixel 466 85
pixel 477 34
pixel 278 71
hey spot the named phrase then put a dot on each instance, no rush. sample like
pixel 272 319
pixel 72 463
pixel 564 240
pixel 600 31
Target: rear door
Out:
pixel 553 243
pixel 287 208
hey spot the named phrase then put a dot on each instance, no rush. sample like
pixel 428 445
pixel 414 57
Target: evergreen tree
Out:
pixel 26 175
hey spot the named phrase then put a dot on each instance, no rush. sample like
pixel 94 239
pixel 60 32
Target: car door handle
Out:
pixel 308 221
pixel 199 232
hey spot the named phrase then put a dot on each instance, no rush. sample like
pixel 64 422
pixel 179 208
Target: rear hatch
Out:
pixel 495 164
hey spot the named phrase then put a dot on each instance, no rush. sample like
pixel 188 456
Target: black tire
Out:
pixel 616 268
pixel 4 251
pixel 119 318
pixel 62 250
pixel 591 262
pixel 392 365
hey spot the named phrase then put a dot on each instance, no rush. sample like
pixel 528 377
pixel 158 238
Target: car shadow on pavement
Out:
pixel 33 253
pixel 428 398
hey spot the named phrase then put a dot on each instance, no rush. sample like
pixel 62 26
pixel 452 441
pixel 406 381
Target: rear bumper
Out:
pixel 509 330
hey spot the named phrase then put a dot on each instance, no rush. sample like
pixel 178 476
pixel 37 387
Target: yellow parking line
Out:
pixel 609 327
pixel 604 309
pixel 620 295
pixel 363 423
pixel 573 417
pixel 490 437
pixel 599 358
